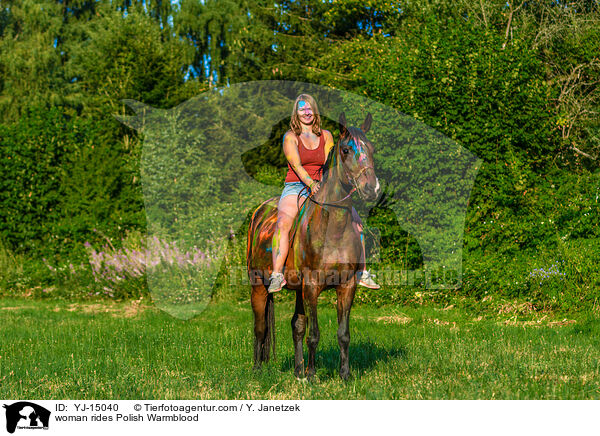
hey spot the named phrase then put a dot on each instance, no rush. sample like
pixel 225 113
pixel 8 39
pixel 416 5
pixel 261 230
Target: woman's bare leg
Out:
pixel 366 276
pixel 358 227
pixel 287 211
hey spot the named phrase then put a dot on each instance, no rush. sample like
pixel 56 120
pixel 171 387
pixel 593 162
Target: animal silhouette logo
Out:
pixel 26 415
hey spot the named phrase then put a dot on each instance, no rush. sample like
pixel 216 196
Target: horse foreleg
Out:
pixel 345 296
pixel 310 295
pixel 298 331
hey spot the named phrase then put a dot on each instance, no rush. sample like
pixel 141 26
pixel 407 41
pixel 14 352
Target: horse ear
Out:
pixel 342 122
pixel 366 125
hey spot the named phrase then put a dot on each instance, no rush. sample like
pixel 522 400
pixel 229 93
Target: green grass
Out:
pixel 61 350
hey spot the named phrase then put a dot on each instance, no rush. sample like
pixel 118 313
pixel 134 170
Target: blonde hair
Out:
pixel 295 120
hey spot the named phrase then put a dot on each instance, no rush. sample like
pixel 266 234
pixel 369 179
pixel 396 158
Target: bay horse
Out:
pixel 324 251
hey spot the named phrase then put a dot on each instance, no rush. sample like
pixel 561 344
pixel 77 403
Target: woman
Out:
pixel 306 147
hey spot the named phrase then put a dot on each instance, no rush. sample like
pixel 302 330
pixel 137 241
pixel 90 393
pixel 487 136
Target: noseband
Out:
pixel 354 179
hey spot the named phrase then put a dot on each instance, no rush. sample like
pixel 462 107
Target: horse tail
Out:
pixel 249 240
pixel 270 319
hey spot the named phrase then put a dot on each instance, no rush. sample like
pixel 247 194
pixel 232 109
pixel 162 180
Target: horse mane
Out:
pixel 327 164
pixel 353 132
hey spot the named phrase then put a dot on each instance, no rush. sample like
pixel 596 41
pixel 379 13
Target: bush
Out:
pixel 62 179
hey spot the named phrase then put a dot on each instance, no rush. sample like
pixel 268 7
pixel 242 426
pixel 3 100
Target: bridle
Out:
pixel 353 183
pixel 354 179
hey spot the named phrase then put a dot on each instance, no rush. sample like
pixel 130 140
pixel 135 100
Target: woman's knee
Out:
pixel 356 221
pixel 284 224
pixel 356 218
pixel 287 213
pixel 358 227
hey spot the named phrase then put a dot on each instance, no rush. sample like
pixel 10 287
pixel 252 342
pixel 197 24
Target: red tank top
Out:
pixel 311 160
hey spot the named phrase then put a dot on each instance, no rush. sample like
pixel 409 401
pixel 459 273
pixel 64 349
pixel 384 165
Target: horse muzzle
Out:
pixel 369 191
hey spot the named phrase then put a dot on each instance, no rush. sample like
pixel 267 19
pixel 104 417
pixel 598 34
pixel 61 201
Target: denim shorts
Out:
pixel 294 188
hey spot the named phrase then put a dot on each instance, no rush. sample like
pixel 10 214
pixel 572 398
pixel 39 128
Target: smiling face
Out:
pixel 305 113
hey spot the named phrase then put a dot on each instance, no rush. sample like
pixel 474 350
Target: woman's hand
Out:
pixel 314 187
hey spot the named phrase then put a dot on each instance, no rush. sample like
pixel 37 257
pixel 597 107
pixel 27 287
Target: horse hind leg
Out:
pixel 264 333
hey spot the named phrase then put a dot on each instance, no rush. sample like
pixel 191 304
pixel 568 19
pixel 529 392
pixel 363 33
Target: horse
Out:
pixel 312 264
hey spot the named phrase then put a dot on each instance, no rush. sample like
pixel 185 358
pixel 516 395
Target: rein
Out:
pixel 354 187
pixel 353 183
pixel 324 203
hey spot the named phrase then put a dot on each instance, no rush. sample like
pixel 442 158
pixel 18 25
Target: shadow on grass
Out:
pixel 363 356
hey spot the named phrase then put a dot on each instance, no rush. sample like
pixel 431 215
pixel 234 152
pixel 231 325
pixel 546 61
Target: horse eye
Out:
pixel 345 150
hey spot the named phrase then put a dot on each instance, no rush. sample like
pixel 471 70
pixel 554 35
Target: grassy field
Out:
pixel 61 350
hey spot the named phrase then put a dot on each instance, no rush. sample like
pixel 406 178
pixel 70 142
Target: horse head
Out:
pixel 352 157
